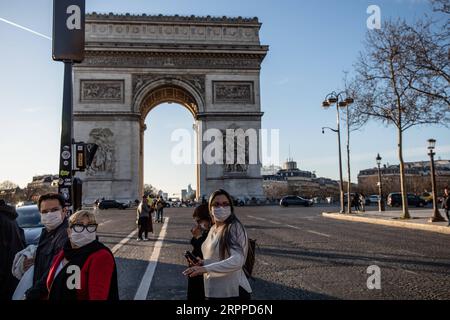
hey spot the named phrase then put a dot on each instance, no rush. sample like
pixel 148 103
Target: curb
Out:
pixel 398 224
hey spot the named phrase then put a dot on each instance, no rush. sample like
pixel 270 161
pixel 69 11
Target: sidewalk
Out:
pixel 419 219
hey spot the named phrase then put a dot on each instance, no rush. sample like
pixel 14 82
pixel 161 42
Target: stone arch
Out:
pixel 161 91
pixel 182 93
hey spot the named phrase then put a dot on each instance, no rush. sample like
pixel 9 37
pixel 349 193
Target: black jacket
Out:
pixel 50 243
pixel 12 240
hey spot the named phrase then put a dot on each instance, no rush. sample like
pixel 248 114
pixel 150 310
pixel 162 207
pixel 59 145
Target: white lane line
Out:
pixel 274 222
pixel 257 218
pixel 293 227
pixel 263 262
pixel 104 222
pixel 144 287
pixel 409 271
pixel 319 233
pixel 123 241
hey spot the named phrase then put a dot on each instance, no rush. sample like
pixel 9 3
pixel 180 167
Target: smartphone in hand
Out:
pixel 190 257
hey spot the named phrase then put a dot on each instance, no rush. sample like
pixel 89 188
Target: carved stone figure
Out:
pixel 104 157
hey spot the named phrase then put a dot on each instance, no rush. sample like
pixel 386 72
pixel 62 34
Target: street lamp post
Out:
pixel 381 207
pixel 337 98
pixel 436 214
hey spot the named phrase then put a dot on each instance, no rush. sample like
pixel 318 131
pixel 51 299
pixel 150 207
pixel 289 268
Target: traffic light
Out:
pixel 84 155
pixel 80 157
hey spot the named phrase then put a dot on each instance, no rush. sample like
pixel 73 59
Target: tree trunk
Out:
pixel 405 214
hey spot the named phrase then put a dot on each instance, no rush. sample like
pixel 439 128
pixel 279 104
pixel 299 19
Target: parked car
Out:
pixel 112 204
pixel 427 196
pixel 29 219
pixel 395 200
pixel 373 199
pixel 295 201
pixel 25 203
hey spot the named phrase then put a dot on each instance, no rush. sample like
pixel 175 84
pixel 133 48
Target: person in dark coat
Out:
pixel 196 291
pixel 12 240
pixel 52 240
pixel 446 204
pixel 144 219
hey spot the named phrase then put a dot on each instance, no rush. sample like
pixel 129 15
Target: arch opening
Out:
pixel 157 98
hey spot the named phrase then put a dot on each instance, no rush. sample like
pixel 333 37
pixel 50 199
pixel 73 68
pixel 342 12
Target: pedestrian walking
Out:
pixel 52 240
pixel 196 289
pixel 144 220
pixel 12 241
pixel 362 202
pixel 82 251
pixel 355 201
pixel 160 204
pixel 446 204
pixel 224 253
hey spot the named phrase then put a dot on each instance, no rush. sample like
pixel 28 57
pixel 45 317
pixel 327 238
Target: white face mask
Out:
pixel 51 220
pixel 80 239
pixel 220 213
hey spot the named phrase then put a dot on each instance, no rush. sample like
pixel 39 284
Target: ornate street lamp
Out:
pixel 436 214
pixel 381 207
pixel 337 98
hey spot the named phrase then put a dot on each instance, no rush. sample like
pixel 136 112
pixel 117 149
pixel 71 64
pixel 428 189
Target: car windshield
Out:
pixel 29 217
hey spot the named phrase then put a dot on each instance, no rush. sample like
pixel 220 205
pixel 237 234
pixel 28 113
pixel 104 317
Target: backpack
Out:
pixel 250 261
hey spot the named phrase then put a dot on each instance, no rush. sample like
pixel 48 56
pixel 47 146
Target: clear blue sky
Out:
pixel 311 44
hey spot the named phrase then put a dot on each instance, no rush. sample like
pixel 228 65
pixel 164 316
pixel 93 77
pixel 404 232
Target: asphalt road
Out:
pixel 300 255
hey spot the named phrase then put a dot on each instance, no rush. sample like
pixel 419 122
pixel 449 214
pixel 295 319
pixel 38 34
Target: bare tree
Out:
pixel 150 190
pixel 354 120
pixel 8 185
pixel 387 91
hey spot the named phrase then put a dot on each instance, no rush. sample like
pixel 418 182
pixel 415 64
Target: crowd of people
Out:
pixel 70 263
pixel 68 249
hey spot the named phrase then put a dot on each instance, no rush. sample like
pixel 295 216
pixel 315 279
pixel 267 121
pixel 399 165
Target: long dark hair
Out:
pixel 228 240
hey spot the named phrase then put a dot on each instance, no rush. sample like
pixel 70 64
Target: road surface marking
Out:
pixel 104 222
pixel 409 271
pixel 144 287
pixel 123 241
pixel 293 227
pixel 263 262
pixel 274 222
pixel 319 233
pixel 257 218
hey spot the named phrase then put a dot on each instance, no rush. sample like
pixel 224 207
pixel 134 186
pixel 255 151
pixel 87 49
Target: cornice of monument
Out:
pixel 160 18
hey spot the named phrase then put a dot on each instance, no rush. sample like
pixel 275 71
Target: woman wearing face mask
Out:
pixel 83 252
pixel 196 290
pixel 224 252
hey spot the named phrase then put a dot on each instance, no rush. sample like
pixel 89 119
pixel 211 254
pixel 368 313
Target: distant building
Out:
pixel 188 194
pixel 291 180
pixel 47 180
pixel 270 170
pixel 417 177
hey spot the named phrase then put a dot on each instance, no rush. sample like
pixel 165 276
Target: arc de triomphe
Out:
pixel 134 63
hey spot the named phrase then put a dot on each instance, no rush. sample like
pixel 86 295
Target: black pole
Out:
pixel 65 160
pixel 436 214
pixel 381 207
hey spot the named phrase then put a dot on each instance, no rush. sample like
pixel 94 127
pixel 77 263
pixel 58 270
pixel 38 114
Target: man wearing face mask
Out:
pixel 53 237
pixel 83 252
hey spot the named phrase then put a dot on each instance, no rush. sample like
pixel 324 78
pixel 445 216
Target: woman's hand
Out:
pixel 27 263
pixel 194 271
